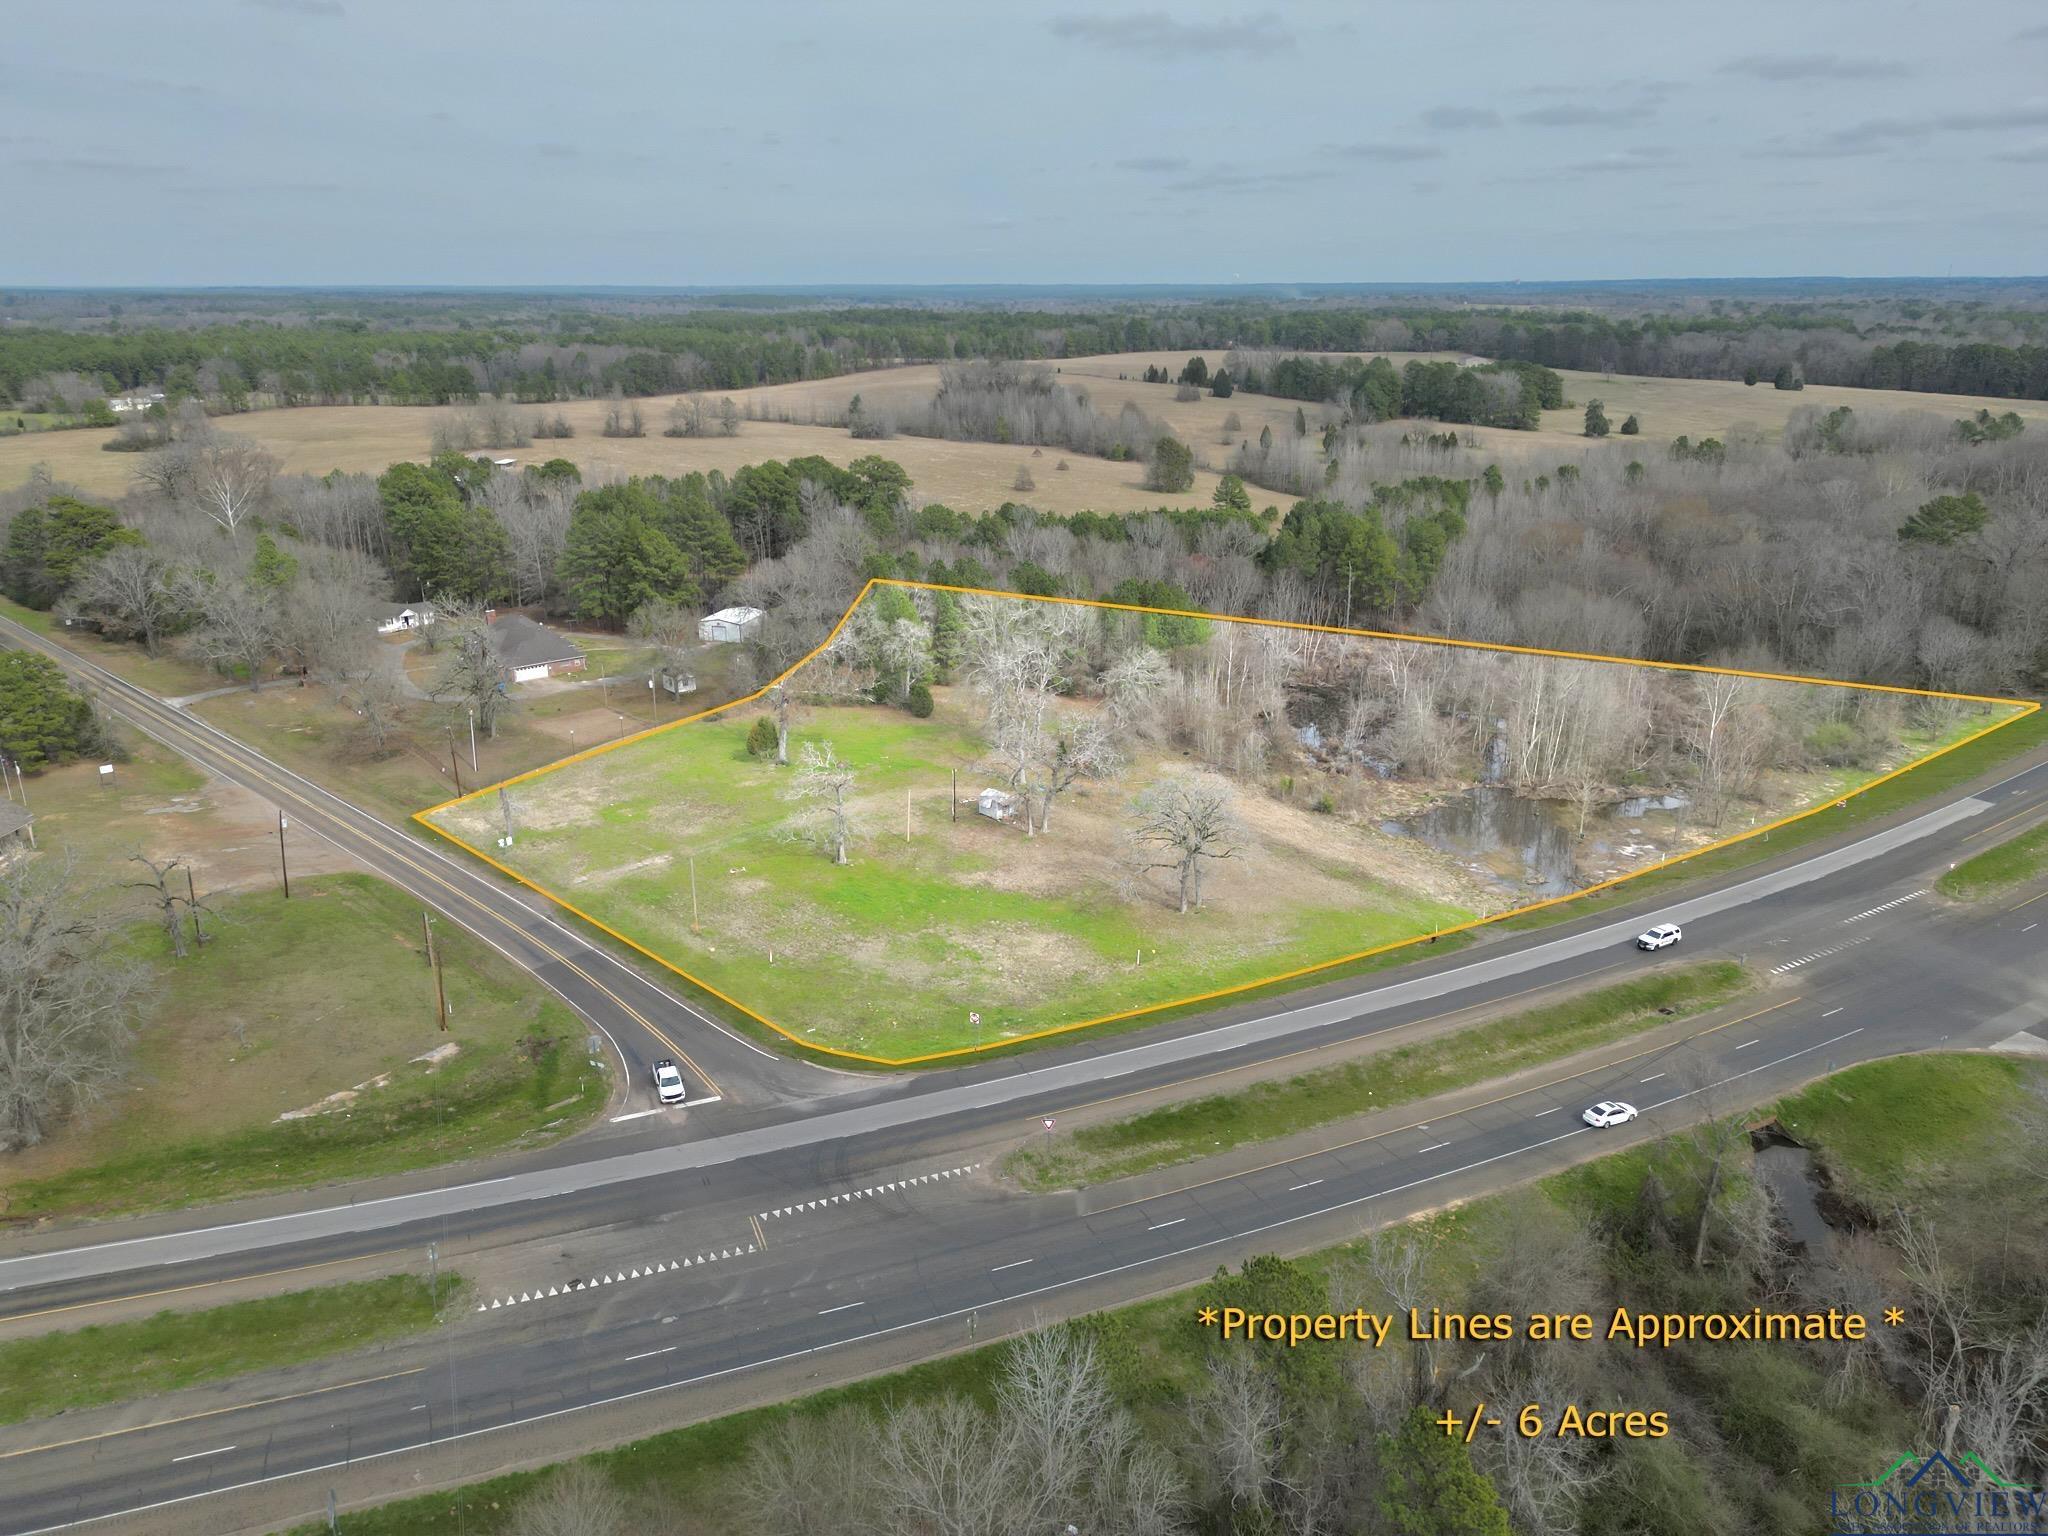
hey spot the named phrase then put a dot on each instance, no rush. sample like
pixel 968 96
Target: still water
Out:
pixel 1532 846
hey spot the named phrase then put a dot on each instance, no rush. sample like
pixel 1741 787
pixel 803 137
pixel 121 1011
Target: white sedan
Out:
pixel 1660 936
pixel 1608 1112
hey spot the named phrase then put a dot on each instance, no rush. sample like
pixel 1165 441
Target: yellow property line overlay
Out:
pixel 2020 708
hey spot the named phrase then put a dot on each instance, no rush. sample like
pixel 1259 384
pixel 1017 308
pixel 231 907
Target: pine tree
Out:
pixel 1429 1486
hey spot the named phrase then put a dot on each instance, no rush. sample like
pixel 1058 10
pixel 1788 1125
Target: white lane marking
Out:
pixel 1831 1013
pixel 650 1354
pixel 847 1308
pixel 2030 928
pixel 1745 1045
pixel 869 1193
pixel 1433 1147
pixel 416 1407
pixel 1819 954
pixel 709 1098
pixel 1014 1263
pixel 1915 896
pixel 1165 1224
pixel 1311 1184
pixel 218 1450
pixel 1550 1111
pixel 938 1317
pixel 1653 1077
pixel 638 1114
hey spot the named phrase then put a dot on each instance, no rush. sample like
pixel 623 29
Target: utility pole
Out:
pixel 472 741
pixel 440 978
pixel 454 762
pixel 192 906
pixel 283 867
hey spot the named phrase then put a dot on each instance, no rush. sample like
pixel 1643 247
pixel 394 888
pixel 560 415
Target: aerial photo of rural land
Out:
pixel 1165 770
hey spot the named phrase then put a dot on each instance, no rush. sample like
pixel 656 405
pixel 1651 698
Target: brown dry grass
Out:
pixel 973 477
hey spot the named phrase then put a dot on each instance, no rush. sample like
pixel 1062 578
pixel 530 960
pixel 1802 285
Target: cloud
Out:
pixel 555 150
pixel 1154 165
pixel 298 7
pixel 1647 158
pixel 2032 154
pixel 1158 34
pixel 2032 34
pixel 1225 178
pixel 1451 118
pixel 1783 67
pixel 1876 135
pixel 92 165
pixel 1575 114
pixel 1385 154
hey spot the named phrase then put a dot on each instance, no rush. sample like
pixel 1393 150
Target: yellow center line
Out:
pixel 2027 903
pixel 1282 1162
pixel 175 1290
pixel 1987 831
pixel 760 1237
pixel 211 1413
pixel 1274 1061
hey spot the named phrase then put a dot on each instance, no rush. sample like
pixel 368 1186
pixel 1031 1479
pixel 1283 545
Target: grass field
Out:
pixel 292 1002
pixel 117 1362
pixel 1999 868
pixel 976 476
pixel 889 955
pixel 1180 1133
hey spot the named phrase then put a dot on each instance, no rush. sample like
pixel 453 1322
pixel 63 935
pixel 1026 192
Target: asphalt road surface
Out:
pixel 807 1213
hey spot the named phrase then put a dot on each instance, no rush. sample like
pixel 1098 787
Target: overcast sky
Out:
pixel 797 141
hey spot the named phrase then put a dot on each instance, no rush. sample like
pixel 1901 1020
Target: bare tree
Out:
pixel 814 1475
pixel 173 906
pixel 231 476
pixel 376 697
pixel 670 628
pixel 133 587
pixel 728 418
pixel 238 631
pixel 1543 1480
pixel 1186 818
pixel 685 418
pixel 779 699
pixel 578 1500
pixel 1243 1430
pixel 825 783
pixel 1715 1139
pixel 473 671
pixel 944 1471
pixel 1079 749
pixel 67 1005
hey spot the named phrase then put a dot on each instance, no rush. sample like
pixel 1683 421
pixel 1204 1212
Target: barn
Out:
pixel 729 626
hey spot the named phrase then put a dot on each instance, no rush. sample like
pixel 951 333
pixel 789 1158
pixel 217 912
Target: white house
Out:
pixel 400 616
pixel 729 626
pixel 141 400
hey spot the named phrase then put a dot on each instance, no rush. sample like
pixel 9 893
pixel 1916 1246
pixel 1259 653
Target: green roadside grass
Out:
pixel 1885 1125
pixel 117 1362
pixel 1179 1133
pixel 292 1001
pixel 1999 868
pixel 1154 1357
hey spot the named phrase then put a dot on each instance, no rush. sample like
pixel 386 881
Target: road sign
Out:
pixel 974 1019
pixel 1048 1122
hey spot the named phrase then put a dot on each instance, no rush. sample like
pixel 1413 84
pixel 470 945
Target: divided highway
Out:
pixel 801 1217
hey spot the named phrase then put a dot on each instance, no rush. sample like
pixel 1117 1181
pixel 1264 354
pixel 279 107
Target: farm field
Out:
pixel 947 930
pixel 977 476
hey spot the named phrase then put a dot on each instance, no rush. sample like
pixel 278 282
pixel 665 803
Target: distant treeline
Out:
pixel 1510 394
pixel 432 357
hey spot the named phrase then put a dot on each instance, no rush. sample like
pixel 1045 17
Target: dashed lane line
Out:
pixel 894 1186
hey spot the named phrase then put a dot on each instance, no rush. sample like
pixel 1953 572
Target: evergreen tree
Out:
pixel 1946 520
pixel 1173 465
pixel 1596 419
pixel 1630 427
pixel 701 536
pixel 1429 1487
pixel 42 720
pixel 1230 494
pixel 48 547
pixel 1494 482
pixel 616 557
pixel 270 568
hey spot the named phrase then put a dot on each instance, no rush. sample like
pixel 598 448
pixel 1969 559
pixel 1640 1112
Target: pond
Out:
pixel 1787 1171
pixel 1532 846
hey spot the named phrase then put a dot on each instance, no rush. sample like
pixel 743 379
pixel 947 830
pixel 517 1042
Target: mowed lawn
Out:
pixel 891 954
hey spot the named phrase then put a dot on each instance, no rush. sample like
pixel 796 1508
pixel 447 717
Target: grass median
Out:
pixel 1179 1133
pixel 1999 868
pixel 115 1362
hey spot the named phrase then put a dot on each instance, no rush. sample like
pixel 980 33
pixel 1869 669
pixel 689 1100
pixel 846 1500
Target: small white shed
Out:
pixel 997 804
pixel 729 626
